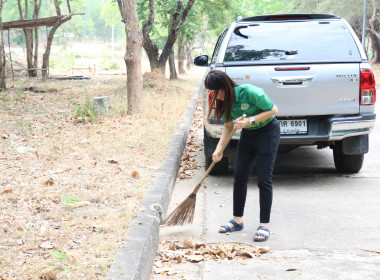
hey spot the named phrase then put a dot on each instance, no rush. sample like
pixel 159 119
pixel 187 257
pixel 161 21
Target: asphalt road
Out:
pixel 325 225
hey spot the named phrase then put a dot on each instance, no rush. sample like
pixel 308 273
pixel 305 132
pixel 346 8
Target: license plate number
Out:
pixel 293 126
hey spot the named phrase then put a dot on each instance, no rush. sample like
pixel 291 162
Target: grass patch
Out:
pixel 87 112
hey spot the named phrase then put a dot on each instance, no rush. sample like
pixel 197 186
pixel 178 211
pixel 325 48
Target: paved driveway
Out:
pixel 324 225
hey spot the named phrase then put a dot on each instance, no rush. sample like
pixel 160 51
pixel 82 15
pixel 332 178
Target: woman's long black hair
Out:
pixel 218 80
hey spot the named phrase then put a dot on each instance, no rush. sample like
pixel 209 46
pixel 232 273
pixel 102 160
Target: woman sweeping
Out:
pixel 259 141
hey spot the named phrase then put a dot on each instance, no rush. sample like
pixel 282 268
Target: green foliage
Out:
pixel 74 30
pixel 3 97
pixel 17 37
pixel 96 27
pixel 58 3
pixel 110 13
pixel 159 30
pixel 342 8
pixel 109 64
pixel 65 63
pixel 12 11
pixel 90 25
pixel 59 255
pixel 87 112
pixel 207 18
pixel 78 5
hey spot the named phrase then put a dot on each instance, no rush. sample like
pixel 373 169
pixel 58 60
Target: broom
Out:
pixel 184 213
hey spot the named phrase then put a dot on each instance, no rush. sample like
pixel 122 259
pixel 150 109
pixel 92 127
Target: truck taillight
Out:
pixel 367 87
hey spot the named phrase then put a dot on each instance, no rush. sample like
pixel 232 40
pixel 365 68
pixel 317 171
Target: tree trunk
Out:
pixel 133 58
pixel 150 47
pixel 46 55
pixel 59 22
pixel 152 53
pixel 35 56
pixel 189 57
pixel 3 85
pixel 28 34
pixel 375 46
pixel 36 10
pixel 374 35
pixel 173 72
pixel 181 55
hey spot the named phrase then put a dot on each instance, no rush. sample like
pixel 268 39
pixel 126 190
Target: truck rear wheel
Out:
pixel 347 163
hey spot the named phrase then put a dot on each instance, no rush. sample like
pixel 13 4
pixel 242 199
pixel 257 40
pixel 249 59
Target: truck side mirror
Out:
pixel 201 60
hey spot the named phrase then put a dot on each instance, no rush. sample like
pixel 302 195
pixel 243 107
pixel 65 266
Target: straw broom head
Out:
pixel 184 213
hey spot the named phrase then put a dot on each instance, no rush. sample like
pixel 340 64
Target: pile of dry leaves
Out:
pixel 171 252
pixel 156 80
pixel 188 161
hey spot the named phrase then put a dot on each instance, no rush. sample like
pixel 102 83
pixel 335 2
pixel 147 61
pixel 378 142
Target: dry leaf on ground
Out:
pixel 135 175
pixel 49 273
pixel 186 251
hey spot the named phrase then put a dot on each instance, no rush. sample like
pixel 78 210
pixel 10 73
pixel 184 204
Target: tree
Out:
pixel 177 19
pixel 208 18
pixel 3 85
pixel 111 17
pixel 109 13
pixel 61 20
pixel 344 9
pixel 195 26
pixel 132 55
pixel 373 33
pixel 181 54
pixel 30 44
pixel 173 71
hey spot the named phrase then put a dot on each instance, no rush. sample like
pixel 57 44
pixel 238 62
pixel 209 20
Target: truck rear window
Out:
pixel 292 42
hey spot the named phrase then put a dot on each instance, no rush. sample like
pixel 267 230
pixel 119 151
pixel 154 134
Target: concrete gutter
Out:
pixel 134 260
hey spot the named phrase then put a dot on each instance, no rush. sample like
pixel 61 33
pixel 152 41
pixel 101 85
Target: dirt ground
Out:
pixel 71 180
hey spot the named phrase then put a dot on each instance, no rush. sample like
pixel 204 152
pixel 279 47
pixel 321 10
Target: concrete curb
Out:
pixel 134 260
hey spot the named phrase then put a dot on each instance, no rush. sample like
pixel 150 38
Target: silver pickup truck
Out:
pixel 314 68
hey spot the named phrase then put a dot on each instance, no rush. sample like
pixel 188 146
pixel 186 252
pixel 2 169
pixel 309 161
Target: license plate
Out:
pixel 293 126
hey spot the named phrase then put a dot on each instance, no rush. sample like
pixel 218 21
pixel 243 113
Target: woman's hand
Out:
pixel 216 157
pixel 227 129
pixel 239 123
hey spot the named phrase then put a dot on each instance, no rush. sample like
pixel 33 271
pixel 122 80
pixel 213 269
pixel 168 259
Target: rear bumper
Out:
pixel 320 129
pixel 348 127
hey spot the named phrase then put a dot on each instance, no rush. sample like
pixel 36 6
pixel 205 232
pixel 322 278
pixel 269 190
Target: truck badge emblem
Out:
pixel 244 106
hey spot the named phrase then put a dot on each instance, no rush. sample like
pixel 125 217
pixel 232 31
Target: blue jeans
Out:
pixel 260 145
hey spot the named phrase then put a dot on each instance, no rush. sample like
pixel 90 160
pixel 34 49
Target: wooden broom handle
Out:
pixel 214 162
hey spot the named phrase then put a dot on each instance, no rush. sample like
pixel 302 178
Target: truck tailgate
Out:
pixel 305 90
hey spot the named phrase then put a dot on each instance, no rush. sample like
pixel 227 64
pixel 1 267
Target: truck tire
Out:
pixel 219 168
pixel 346 163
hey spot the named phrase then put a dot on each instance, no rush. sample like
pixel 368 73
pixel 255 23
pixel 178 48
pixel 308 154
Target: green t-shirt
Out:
pixel 250 100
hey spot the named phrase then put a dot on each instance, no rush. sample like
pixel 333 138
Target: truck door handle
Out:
pixel 292 80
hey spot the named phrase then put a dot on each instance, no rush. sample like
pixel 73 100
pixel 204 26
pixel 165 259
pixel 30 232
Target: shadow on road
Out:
pixel 307 161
